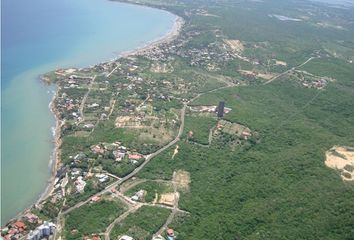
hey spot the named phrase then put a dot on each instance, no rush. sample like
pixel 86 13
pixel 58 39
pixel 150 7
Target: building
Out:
pixel 170 234
pixel 33 235
pixel 220 109
pixel 31 217
pixel 125 237
pixel 42 231
pixel 80 184
pixel 135 157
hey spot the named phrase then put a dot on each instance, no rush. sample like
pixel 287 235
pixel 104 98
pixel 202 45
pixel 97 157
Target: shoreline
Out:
pixel 55 162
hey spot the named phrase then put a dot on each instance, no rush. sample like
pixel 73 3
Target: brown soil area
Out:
pixel 341 158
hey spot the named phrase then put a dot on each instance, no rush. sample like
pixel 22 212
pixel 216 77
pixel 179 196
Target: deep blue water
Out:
pixel 39 36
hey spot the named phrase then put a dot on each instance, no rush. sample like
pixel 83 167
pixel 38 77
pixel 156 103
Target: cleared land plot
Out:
pixel 341 159
pixel 235 45
pixel 233 128
pixel 182 180
pixel 142 224
pixel 152 188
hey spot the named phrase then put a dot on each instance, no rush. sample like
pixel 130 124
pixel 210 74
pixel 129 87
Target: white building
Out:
pixel 125 237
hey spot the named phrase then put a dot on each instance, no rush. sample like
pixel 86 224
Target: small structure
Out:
pixel 138 196
pixel 170 234
pixel 80 184
pixel 125 237
pixel 102 177
pixel 95 199
pixel 220 109
pixel 135 157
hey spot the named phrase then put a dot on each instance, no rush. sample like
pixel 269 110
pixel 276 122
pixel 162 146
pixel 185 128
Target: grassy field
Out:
pixel 142 224
pixel 199 127
pixel 91 219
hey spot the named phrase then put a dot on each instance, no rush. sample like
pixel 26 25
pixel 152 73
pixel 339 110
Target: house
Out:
pixel 89 125
pixel 170 234
pixel 138 196
pixel 119 155
pixel 20 226
pixel 135 157
pixel 31 217
pixel 125 237
pixel 102 177
pixel 80 184
pixel 97 149
pixel 95 199
pixel 246 134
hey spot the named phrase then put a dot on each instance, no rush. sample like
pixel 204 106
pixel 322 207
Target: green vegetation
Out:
pixel 142 224
pixel 197 128
pixel 274 185
pixel 91 218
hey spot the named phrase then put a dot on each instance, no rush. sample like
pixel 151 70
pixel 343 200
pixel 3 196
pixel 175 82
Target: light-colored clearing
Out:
pixel 161 68
pixel 235 45
pixel 280 63
pixel 182 180
pixel 341 158
pixel 266 76
pixel 167 199
pixel 175 152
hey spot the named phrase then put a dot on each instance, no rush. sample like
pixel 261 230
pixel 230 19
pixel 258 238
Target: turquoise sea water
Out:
pixel 39 36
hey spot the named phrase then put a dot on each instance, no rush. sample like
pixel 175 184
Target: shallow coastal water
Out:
pixel 39 36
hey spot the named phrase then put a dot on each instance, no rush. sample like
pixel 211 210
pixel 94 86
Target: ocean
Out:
pixel 39 36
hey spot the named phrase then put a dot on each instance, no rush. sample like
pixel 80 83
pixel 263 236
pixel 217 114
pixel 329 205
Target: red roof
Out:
pixel 135 156
pixel 170 232
pixel 19 224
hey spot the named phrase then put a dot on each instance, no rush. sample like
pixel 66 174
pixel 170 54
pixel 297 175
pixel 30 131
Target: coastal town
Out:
pixel 159 103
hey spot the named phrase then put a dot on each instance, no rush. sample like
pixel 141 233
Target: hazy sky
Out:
pixel 337 1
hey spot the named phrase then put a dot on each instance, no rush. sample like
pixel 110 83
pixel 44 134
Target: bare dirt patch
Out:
pixel 168 199
pixel 280 63
pixel 266 76
pixel 161 68
pixel 341 158
pixel 182 180
pixel 235 45
pixel 175 152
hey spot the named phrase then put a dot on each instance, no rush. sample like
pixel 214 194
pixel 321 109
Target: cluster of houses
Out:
pixel 14 230
pixel 318 84
pixel 21 228
pixel 118 151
